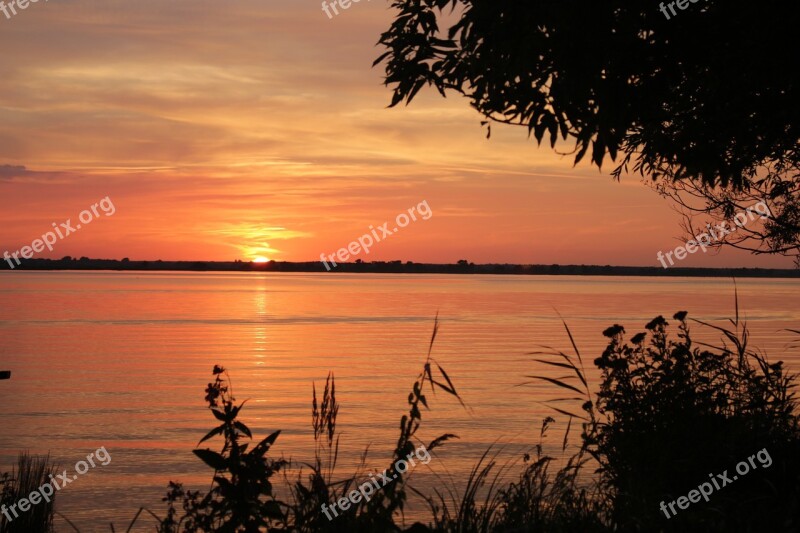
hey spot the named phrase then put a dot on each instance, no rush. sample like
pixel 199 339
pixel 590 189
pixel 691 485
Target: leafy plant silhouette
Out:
pixel 668 412
pixel 241 497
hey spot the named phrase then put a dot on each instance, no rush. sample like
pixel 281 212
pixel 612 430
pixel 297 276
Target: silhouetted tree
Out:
pixel 777 191
pixel 703 95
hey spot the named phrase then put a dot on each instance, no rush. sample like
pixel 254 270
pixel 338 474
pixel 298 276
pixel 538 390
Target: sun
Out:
pixel 261 259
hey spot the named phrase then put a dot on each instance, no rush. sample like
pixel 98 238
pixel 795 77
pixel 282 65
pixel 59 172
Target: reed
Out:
pixel 30 473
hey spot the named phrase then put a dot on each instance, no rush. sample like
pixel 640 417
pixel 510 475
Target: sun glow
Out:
pixel 261 259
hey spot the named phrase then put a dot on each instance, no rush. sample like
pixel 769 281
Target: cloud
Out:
pixel 8 172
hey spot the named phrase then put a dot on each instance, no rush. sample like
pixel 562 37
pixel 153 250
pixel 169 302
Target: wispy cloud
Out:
pixel 8 172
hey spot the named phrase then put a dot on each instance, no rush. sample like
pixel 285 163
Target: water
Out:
pixel 121 360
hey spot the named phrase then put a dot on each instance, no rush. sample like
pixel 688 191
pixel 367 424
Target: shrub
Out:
pixel 674 412
pixel 670 412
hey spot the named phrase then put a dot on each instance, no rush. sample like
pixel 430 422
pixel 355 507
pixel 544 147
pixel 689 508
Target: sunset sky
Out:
pixel 240 129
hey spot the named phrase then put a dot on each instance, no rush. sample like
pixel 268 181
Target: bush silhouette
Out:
pixel 669 413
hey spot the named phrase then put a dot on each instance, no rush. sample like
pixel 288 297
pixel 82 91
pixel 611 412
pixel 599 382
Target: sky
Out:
pixel 245 129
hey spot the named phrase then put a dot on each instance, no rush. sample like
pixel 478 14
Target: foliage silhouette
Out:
pixel 665 414
pixel 241 497
pixel 668 412
pixel 32 471
pixel 707 94
pixel 707 98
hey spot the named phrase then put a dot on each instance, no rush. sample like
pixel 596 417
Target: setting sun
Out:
pixel 261 259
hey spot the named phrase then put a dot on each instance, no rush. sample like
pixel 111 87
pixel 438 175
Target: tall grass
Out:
pixel 31 472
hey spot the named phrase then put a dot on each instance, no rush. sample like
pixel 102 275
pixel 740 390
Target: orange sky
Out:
pixel 236 129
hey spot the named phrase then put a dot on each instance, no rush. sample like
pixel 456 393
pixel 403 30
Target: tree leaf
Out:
pixel 216 431
pixel 211 458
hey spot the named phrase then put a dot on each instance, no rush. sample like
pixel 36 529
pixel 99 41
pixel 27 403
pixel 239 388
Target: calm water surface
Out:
pixel 121 360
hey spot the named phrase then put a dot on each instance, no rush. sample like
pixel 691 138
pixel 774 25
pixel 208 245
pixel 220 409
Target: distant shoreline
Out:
pixel 398 267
